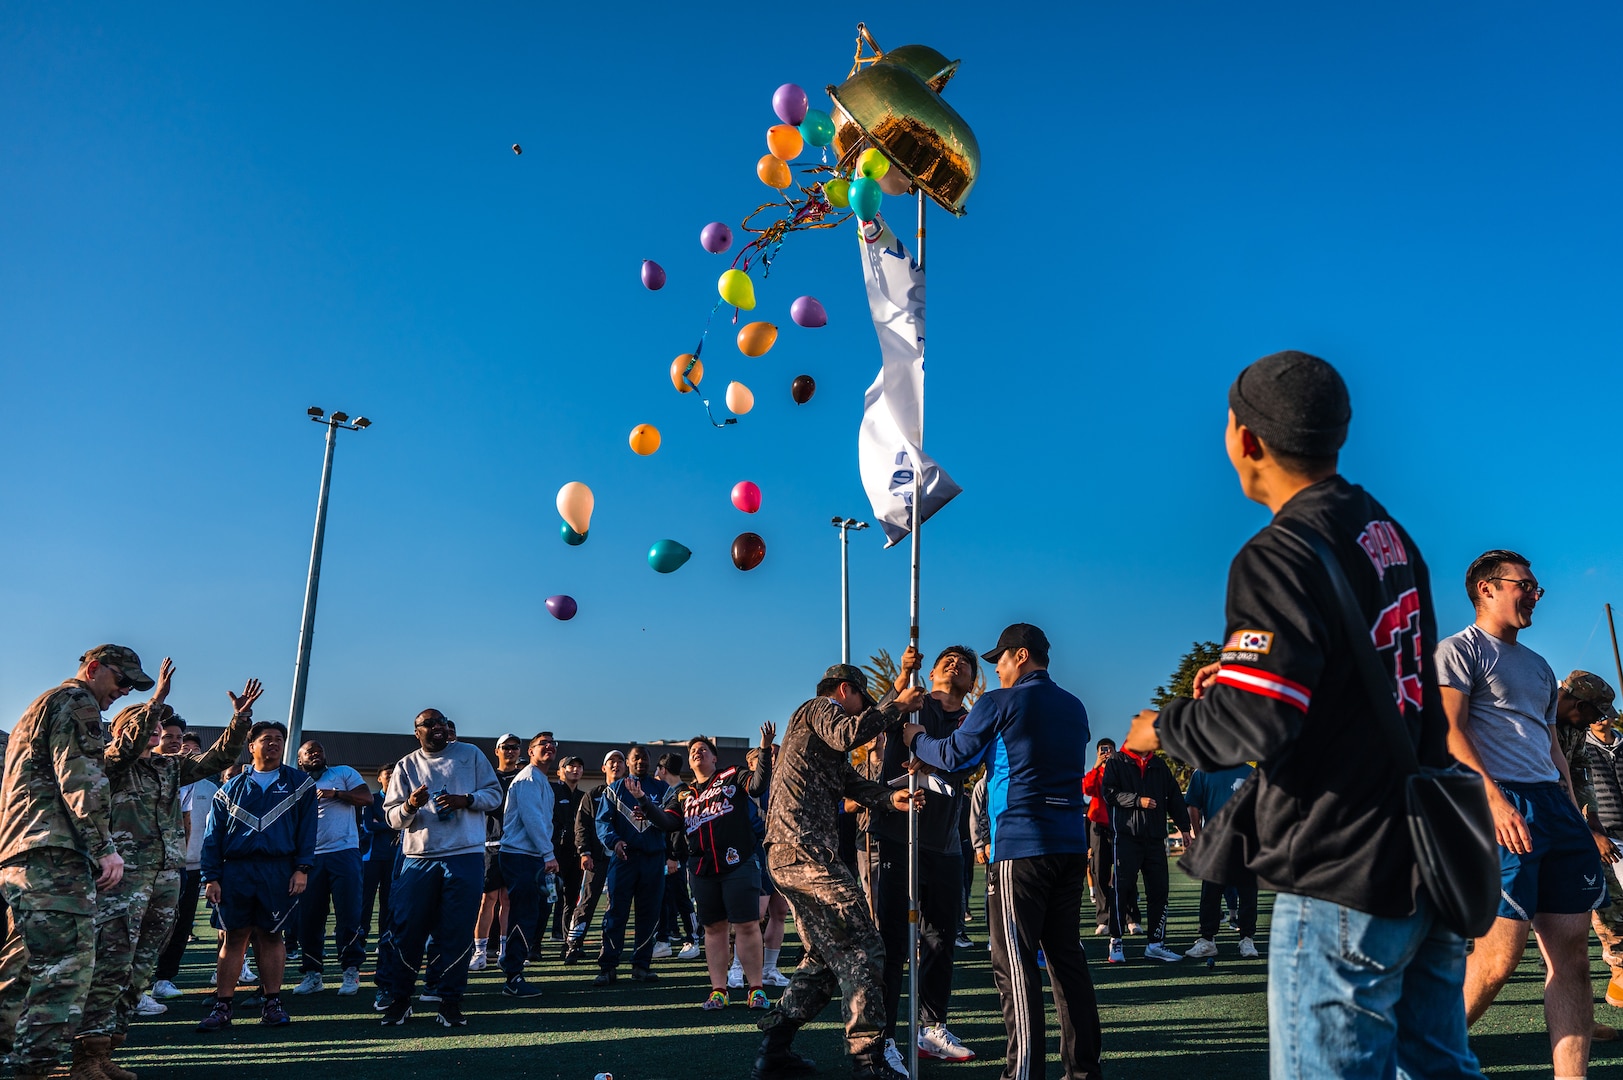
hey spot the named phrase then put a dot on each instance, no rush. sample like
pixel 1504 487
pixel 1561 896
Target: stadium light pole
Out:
pixel 307 626
pixel 845 525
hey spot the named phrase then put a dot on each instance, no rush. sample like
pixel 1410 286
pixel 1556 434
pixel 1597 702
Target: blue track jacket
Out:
pixel 620 817
pixel 1034 737
pixel 249 822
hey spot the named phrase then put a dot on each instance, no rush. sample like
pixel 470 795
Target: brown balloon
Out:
pixel 748 551
pixel 802 389
pixel 517 149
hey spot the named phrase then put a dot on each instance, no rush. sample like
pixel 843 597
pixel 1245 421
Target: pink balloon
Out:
pixel 806 311
pixel 746 496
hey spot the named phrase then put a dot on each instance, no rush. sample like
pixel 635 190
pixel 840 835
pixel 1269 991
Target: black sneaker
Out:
pixel 274 1015
pixel 643 975
pixel 520 987
pixel 450 1015
pixel 219 1016
pixel 782 1065
pixel 605 977
pixel 572 953
pixel 396 1012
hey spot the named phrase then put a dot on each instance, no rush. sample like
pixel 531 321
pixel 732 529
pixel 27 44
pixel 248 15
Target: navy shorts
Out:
pixel 493 870
pixel 734 896
pixel 768 886
pixel 253 893
pixel 1563 874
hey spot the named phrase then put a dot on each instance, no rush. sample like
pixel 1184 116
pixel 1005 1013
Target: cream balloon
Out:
pixel 739 398
pixel 575 506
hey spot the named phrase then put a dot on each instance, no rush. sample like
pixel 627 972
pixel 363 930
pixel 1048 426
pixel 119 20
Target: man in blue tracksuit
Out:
pixel 632 828
pixel 1034 738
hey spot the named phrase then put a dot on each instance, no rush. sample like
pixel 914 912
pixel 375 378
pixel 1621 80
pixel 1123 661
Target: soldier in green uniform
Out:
pixel 812 775
pixel 55 852
pixel 135 917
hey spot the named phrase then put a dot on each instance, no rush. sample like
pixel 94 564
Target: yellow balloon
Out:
pixel 773 171
pixel 739 400
pixel 644 439
pixel 686 372
pixel 575 506
pixel 757 338
pixel 838 192
pixel 784 141
pixel 872 164
pixel 737 289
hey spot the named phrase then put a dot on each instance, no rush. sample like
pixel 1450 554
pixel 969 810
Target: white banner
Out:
pixel 889 441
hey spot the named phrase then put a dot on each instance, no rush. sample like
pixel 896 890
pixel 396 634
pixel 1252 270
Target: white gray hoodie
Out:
pixel 459 769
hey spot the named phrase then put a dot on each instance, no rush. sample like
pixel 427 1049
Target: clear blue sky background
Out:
pixel 214 216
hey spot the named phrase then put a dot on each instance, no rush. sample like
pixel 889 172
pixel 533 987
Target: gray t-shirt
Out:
pixel 335 820
pixel 195 800
pixel 1512 713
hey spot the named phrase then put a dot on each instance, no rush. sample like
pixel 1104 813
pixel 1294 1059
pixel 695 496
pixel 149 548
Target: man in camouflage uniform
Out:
pixel 134 918
pixel 55 852
pixel 1589 700
pixel 843 949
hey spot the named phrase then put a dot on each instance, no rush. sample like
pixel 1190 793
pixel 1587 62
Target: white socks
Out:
pixel 769 958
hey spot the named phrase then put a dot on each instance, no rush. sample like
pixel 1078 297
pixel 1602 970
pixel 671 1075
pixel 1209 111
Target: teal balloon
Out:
pixel 818 128
pixel 668 555
pixel 866 196
pixel 571 537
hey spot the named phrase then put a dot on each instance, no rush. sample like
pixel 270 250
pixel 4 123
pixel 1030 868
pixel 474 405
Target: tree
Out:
pixel 1182 684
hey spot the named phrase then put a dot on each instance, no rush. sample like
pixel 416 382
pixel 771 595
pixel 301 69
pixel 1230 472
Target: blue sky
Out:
pixel 214 217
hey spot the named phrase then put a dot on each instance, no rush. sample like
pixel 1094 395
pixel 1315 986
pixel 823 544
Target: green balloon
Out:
pixel 839 193
pixel 571 537
pixel 667 555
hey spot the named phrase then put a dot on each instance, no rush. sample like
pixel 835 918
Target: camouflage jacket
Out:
pixel 813 773
pixel 144 802
pixel 1583 785
pixel 53 793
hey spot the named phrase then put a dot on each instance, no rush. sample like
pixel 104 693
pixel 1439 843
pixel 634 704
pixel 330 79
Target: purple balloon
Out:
pixel 562 607
pixel 653 275
pixel 789 102
pixel 806 311
pixel 715 238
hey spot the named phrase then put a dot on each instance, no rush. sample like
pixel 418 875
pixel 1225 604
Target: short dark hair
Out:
pixel 1105 742
pixel 262 726
pixel 964 651
pixel 192 737
pixel 572 759
pixel 449 723
pixel 706 741
pixel 828 686
pixel 1486 565
pixel 1303 464
pixel 672 763
pixel 175 720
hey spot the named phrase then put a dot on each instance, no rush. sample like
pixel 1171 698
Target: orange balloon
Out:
pixel 784 141
pixel 686 372
pixel 757 338
pixel 644 439
pixel 773 171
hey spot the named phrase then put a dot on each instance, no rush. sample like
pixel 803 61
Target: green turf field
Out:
pixel 1162 1021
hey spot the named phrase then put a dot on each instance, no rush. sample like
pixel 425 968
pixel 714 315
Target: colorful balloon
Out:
pixel 872 163
pixel 806 311
pixel 895 182
pixel 563 608
pixel 687 371
pixel 784 141
pixel 789 102
pixel 802 389
pixel 575 506
pixel 748 551
pixel 866 196
pixel 757 338
pixel 571 537
pixel 737 289
pixel 839 193
pixel 715 238
pixel 739 398
pixel 667 555
pixel 773 171
pixel 653 275
pixel 746 496
pixel 644 439
pixel 818 128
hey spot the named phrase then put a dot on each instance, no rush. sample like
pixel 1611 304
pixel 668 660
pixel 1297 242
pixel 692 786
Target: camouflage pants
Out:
pixel 46 963
pixel 133 921
pixel 843 947
pixel 1608 922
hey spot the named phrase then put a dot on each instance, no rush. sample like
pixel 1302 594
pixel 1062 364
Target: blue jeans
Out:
pixel 336 876
pixel 1359 996
pixel 431 896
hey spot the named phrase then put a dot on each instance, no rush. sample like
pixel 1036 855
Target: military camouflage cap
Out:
pixel 854 675
pixel 1587 686
pixel 120 658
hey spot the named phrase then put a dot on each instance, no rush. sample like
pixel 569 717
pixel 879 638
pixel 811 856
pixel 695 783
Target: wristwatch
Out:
pixel 304 868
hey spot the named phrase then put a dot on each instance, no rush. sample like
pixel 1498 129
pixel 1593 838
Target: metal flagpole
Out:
pixel 912 776
pixel 1612 626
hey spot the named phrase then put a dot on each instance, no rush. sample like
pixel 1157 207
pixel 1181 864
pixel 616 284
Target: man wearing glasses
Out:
pixel 1500 698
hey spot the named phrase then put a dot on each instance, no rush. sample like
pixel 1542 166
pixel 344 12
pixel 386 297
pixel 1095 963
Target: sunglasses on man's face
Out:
pixel 123 681
pixel 436 721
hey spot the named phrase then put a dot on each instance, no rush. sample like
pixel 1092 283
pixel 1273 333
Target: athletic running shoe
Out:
pixel 351 984
pixel 149 1006
pixel 381 1001
pixel 716 1000
pixel 1101 930
pixel 1117 954
pixel 310 984
pixel 273 1015
pixel 573 950
pixel 962 941
pixel 1155 950
pixel 219 1016
pixel 1201 949
pixel 935 1041
pixel 662 950
pixel 396 1013
pixel 480 961
pixel 639 974
pixel 1134 928
pixel 771 976
pixel 450 1015
pixel 735 975
pixel 163 990
pixel 758 1000
pixel 605 977
pixel 894 1058
pixel 428 997
pixel 690 951
pixel 520 987
pixel 1248 949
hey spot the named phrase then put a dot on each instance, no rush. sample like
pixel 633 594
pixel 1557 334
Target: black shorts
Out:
pixel 253 893
pixel 734 896
pixel 493 870
pixel 768 886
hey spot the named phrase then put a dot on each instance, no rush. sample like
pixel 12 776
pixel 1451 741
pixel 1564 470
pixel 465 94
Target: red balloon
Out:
pixel 747 497
pixel 748 551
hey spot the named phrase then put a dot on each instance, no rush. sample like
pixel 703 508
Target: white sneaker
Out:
pixel 429 997
pixel 735 975
pixel 1101 930
pixel 662 950
pixel 1248 948
pixel 163 990
pixel 936 1041
pixel 1157 951
pixel 1117 954
pixel 214 978
pixel 893 1057
pixel 771 976
pixel 148 1007
pixel 690 951
pixel 480 961
pixel 247 975
pixel 1201 949
pixel 963 941
pixel 310 984
pixel 351 984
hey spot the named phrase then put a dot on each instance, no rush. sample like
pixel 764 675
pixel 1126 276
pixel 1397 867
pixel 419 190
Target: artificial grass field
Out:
pixel 1181 1021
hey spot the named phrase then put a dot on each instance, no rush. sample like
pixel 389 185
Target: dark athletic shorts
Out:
pixel 734 896
pixel 493 870
pixel 1563 873
pixel 253 893
pixel 768 886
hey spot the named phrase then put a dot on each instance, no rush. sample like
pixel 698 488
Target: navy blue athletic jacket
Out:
pixel 249 822
pixel 639 822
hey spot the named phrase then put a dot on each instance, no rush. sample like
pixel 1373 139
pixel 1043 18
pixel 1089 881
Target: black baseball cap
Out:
pixel 1020 635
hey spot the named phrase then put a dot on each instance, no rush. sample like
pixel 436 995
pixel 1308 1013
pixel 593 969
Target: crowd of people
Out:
pixel 110 831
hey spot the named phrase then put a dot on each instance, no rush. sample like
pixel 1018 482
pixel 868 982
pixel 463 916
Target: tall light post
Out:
pixel 307 626
pixel 845 525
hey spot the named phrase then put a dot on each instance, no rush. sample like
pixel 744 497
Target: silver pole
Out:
pixel 845 594
pixel 912 777
pixel 307 626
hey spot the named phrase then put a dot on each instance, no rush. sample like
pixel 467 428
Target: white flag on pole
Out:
pixel 889 443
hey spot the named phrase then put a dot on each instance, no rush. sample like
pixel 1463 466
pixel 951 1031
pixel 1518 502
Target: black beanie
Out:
pixel 1295 403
